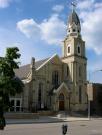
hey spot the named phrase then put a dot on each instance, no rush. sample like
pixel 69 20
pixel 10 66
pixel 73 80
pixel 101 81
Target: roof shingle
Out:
pixel 23 71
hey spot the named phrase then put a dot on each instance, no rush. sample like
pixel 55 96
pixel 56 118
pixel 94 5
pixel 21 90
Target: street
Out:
pixel 93 127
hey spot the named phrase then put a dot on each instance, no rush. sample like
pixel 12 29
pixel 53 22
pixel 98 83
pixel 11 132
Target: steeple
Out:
pixel 75 59
pixel 73 5
pixel 73 43
pixel 74 27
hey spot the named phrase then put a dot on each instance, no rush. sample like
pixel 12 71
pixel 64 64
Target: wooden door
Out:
pixel 61 101
pixel 61 105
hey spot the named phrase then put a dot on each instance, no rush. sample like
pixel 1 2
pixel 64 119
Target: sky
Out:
pixel 38 27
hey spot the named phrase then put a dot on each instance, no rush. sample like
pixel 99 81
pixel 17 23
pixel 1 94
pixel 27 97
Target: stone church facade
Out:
pixel 56 83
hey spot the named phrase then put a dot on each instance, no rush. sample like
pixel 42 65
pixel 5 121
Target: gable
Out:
pixel 24 71
pixel 54 60
pixel 61 87
pixel 39 63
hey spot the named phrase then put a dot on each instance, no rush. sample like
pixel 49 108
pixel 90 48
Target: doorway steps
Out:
pixel 62 114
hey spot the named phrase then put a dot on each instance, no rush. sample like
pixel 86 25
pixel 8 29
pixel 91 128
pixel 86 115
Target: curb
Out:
pixel 40 122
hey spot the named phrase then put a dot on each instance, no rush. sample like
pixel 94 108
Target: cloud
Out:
pixel 85 4
pixel 53 30
pixel 58 8
pixel 13 38
pixel 5 3
pixel 29 28
pixel 50 30
pixel 94 73
pixel 91 24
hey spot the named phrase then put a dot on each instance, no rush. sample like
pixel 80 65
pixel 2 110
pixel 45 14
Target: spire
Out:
pixel 74 4
pixel 74 27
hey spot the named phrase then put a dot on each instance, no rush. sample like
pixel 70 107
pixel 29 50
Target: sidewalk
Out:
pixel 45 119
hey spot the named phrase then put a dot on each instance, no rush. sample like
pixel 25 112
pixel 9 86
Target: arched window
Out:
pixel 61 97
pixel 80 94
pixel 55 79
pixel 40 95
pixel 79 49
pixel 67 71
pixel 78 31
pixel 68 49
pixel 74 30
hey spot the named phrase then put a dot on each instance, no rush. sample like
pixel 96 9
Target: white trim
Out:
pixel 47 61
pixel 25 81
pixel 15 101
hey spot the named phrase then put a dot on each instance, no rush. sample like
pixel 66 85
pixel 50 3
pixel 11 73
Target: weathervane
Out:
pixel 74 4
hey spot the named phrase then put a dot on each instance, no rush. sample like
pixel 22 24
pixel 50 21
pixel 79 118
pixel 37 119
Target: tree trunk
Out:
pixel 2 119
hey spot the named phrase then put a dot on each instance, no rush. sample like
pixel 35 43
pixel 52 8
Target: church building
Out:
pixel 56 83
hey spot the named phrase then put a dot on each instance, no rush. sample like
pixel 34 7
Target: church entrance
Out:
pixel 61 102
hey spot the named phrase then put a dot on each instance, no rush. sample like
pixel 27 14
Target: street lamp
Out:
pixel 90 92
pixel 90 74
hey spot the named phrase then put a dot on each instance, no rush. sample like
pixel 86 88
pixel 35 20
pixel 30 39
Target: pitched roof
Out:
pixel 74 18
pixel 39 63
pixel 23 71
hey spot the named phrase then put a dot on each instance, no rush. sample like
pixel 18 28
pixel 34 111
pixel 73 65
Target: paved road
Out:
pixel 93 127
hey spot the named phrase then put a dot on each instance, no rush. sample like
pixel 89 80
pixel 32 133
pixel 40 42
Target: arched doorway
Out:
pixel 61 102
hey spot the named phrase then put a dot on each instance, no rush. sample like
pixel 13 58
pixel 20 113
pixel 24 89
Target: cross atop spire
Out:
pixel 74 4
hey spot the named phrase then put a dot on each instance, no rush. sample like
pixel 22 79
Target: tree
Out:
pixel 9 83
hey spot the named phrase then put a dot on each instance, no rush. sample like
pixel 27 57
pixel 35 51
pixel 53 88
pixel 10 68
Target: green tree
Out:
pixel 9 83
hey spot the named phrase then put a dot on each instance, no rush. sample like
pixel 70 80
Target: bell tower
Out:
pixel 75 58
